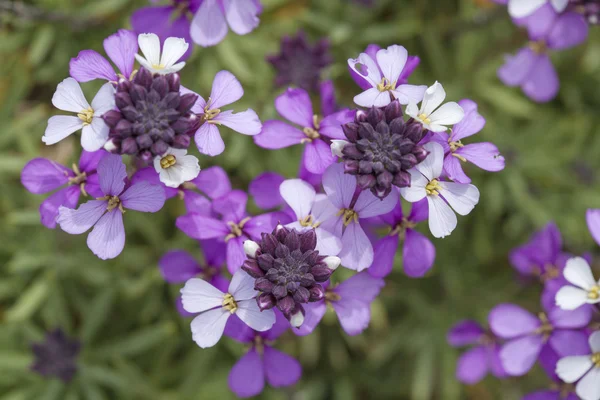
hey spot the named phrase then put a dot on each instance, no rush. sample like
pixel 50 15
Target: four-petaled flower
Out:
pixel 524 8
pixel 176 167
pixel 583 368
pixel 164 62
pixel 585 289
pixel 431 115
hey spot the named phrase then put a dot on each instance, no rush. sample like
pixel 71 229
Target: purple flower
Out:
pixel 215 307
pixel 583 367
pixel 214 18
pixel 351 300
pixel 592 217
pixel 315 133
pixel 527 334
pixel 265 190
pixel 288 270
pixel 485 155
pixel 479 360
pixel 300 64
pixel 231 224
pixel 531 68
pixel 121 48
pixel 226 89
pixel 357 251
pixel 56 356
pixel 105 214
pixel 262 362
pixel 41 175
pixel 167 21
pixel 418 253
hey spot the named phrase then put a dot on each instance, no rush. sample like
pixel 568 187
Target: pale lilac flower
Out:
pixel 592 217
pixel 215 17
pixel 105 214
pixel 583 368
pixel 121 48
pixel 479 360
pixel 531 68
pixel 524 8
pixel 226 89
pixel 442 197
pixel 175 167
pixel 485 155
pixel 69 97
pixel 584 290
pixel 265 190
pixel 262 362
pixel 161 62
pixel 41 175
pixel 357 250
pixel 431 115
pixel 311 210
pixel 167 21
pixel 230 224
pixel 215 307
pixel 526 334
pixel 383 74
pixel 351 300
pixel 312 131
pixel 418 253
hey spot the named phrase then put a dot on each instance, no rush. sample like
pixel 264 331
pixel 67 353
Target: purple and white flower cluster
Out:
pixel 561 338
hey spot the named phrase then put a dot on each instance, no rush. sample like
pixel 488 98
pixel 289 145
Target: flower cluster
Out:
pixel 560 338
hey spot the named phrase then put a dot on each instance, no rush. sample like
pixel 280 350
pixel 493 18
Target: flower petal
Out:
pixel 213 182
pixel 317 156
pixel 208 327
pixel 462 197
pixel 209 141
pixel 571 369
pixel 95 135
pixel 252 316
pixel 242 286
pixel 59 127
pixel 331 126
pixel 471 124
pixel 339 186
pixel 465 333
pixel 368 205
pixel 448 114
pixel 509 321
pixel 144 197
pixel 295 106
pixel 314 313
pixel 523 8
pixel 281 369
pixel 485 155
pixel 517 68
pixel 519 355
pixel 226 89
pixel 198 295
pixel 365 67
pixel 277 135
pixel 592 217
pixel 433 97
pixel 472 366
pixel 49 208
pixel 569 30
pixel 391 61
pixel 41 175
pixel 542 83
pixel 150 46
pixel 247 377
pixel 354 315
pixel 361 286
pixel 104 100
pixel 78 221
pixel 208 26
pixel 112 174
pixel 89 65
pixel 372 97
pixel 578 272
pixel 588 387
pixel 178 266
pixel 172 51
pixel 432 166
pixel 442 220
pixel 383 258
pixel 121 48
pixel 407 94
pixel 242 16
pixel 107 239
pixel 418 254
pixel 357 251
pixel 265 190
pixel 299 195
pixel 416 191
pixel 244 122
pixel 200 227
pixel 69 97
pixel 571 298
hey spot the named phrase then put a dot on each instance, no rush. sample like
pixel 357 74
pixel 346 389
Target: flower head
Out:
pixel 56 356
pixel 442 197
pixel 105 214
pixel 215 308
pixel 69 97
pixel 583 368
pixel 300 64
pixel 584 289
pixel 175 167
pixel 288 271
pixel 385 74
pixel 431 115
pixel 524 8
pixel 161 63
pixel 381 148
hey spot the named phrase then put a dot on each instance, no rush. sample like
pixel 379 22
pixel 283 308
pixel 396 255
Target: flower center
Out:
pixel 259 344
pixel 210 114
pixel 158 66
pixel 550 272
pixel 455 145
pixel 424 118
pixel 349 215
pixel 546 328
pixel 312 132
pixel 433 187
pixel 80 179
pixel 168 161
pixel 113 202
pixel 86 115
pixel 596 359
pixel 309 221
pixel 594 293
pixel 385 85
pixel 400 229
pixel 330 296
pixel 236 229
pixel 229 303
pixel 538 47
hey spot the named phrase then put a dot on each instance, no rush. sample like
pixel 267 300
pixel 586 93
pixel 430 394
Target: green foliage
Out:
pixel 135 345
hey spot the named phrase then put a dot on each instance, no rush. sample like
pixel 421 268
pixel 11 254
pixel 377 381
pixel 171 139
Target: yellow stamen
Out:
pixel 400 229
pixel 550 272
pixel 113 202
pixel 86 116
pixel 461 158
pixel 455 145
pixel 309 221
pixel 594 293
pixel 229 303
pixel 546 328
pixel 538 47
pixel 236 229
pixel 349 215
pixel 79 179
pixel 332 296
pixel 433 187
pixel 158 66
pixel 385 85
pixel 596 359
pixel 168 161
pixel 424 118
pixel 209 113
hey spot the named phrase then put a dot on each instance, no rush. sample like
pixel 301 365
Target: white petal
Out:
pixel 249 312
pixel 365 66
pixel 69 97
pixel 372 98
pixel 172 69
pixel 570 298
pixel 241 286
pixel 327 242
pixel 432 165
pixel 208 327
pixel 59 127
pixel 392 61
pixel 434 96
pixel 523 8
pixel 416 190
pixel 461 197
pixel 412 110
pixel 95 135
pixel 442 219
pixel 198 295
pixel 559 5
pixel 323 209
pixel 448 114
pixel 144 63
pixel 173 49
pixel 299 195
pixel 104 100
pixel 594 341
pixel 578 272
pixel 190 167
pixel 588 387
pixel 571 368
pixel 407 94
pixel 337 146
pixel 435 127
pixel 150 47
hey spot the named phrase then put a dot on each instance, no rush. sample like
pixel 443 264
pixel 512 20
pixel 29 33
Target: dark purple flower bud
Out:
pixel 308 240
pixel 265 301
pixel 181 141
pixel 366 182
pixel 279 291
pixel 137 94
pixel 286 305
pixel 321 273
pixel 129 146
pixel 159 148
pixel 264 285
pixel 265 261
pixel 174 82
pixel 56 356
pixel 351 131
pixel 316 293
pixel 186 102
pixel 302 295
pixel 160 85
pixel 252 268
pixel 143 142
pixel 122 99
pixel 112 118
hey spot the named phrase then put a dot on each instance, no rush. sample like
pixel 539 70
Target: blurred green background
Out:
pixel 135 345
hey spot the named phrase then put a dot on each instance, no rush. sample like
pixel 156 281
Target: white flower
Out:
pixel 425 183
pixel 69 97
pixel 215 307
pixel 432 117
pixel 524 8
pixel 173 49
pixel 578 272
pixel 391 61
pixel 312 210
pixel 587 368
pixel 337 146
pixel 176 167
